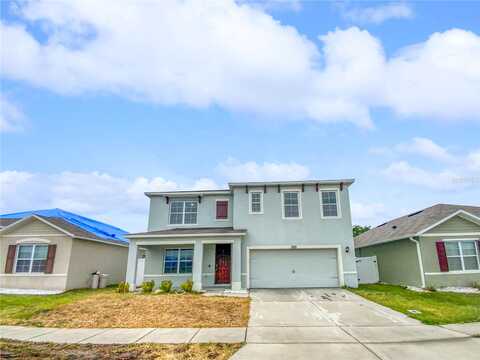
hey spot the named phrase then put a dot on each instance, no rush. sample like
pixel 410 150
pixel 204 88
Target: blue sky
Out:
pixel 101 103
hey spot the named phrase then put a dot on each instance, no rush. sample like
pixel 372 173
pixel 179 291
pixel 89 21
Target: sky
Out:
pixel 102 101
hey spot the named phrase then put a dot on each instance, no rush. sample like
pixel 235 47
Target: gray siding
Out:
pixel 159 211
pixel 455 225
pixel 397 262
pixel 90 256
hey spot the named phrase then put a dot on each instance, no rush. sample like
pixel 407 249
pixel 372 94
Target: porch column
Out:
pixel 197 265
pixel 132 264
pixel 237 265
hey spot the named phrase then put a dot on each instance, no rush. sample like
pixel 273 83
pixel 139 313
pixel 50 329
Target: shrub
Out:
pixel 166 286
pixel 147 286
pixel 476 285
pixel 123 287
pixel 187 286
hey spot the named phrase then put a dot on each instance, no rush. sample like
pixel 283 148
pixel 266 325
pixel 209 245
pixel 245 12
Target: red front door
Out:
pixel 222 264
pixel 222 271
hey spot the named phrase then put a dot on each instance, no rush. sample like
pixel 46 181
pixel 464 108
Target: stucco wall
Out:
pixel 91 256
pixel 50 236
pixel 397 262
pixel 270 229
pixel 206 216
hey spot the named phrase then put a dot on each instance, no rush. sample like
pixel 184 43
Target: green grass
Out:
pixel 15 308
pixel 436 307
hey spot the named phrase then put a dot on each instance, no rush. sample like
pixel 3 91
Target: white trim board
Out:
pixel 183 235
pixel 466 272
pixel 341 278
pixel 31 275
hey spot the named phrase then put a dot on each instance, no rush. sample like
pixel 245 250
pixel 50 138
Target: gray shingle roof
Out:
pixel 411 224
pixel 192 231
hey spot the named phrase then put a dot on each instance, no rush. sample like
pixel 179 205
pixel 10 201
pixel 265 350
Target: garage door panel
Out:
pixel 293 268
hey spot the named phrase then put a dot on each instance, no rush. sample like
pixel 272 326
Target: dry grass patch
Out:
pixel 109 310
pixel 30 350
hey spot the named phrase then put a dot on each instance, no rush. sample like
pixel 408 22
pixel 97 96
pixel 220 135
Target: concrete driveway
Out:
pixel 337 324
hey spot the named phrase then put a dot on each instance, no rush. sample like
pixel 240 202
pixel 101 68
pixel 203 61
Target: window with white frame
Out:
pixel 291 205
pixel 178 261
pixel 256 202
pixel 329 200
pixel 462 255
pixel 183 212
pixel 31 258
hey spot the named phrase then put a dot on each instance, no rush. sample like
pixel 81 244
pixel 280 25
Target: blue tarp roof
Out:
pixel 98 228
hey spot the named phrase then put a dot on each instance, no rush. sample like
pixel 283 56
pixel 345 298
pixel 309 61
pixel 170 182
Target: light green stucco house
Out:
pixel 438 246
pixel 252 235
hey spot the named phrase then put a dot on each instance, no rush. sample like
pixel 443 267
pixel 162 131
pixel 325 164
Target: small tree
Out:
pixel 359 229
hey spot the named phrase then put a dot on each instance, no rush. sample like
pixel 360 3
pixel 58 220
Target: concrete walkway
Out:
pixel 124 336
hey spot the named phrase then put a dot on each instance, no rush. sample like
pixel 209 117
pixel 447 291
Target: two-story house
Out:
pixel 284 234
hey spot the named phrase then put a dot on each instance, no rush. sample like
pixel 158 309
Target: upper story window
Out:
pixel 183 212
pixel 329 204
pixel 462 255
pixel 291 204
pixel 31 258
pixel 221 209
pixel 256 202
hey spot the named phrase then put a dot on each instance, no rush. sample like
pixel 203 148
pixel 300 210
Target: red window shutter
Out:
pixel 442 256
pixel 52 249
pixel 10 259
pixel 222 209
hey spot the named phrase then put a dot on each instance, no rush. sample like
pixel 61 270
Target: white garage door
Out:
pixel 297 268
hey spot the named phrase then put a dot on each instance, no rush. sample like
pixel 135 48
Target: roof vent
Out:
pixel 394 227
pixel 415 213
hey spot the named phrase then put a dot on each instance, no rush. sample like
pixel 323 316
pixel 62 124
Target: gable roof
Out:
pixel 76 225
pixel 413 224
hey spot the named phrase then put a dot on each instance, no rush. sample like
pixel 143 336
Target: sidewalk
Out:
pixel 124 336
pixel 255 335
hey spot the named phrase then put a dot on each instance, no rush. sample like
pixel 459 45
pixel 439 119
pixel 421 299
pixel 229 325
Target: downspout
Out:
pixel 420 263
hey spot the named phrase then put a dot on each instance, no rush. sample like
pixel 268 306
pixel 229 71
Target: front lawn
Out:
pixel 108 309
pixel 436 307
pixel 30 350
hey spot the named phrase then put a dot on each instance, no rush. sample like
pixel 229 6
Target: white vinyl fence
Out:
pixel 367 269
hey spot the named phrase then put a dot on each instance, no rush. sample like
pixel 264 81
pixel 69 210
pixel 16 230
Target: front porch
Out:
pixel 209 260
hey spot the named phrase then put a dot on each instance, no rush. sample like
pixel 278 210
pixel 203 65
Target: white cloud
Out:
pixel 233 55
pixel 367 213
pixel 118 200
pixel 446 179
pixel 426 147
pixel 377 14
pixel 233 170
pixel 11 116
pixel 473 161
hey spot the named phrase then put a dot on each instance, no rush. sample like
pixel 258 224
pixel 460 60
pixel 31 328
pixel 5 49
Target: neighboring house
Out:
pixel 252 235
pixel 57 250
pixel 438 246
